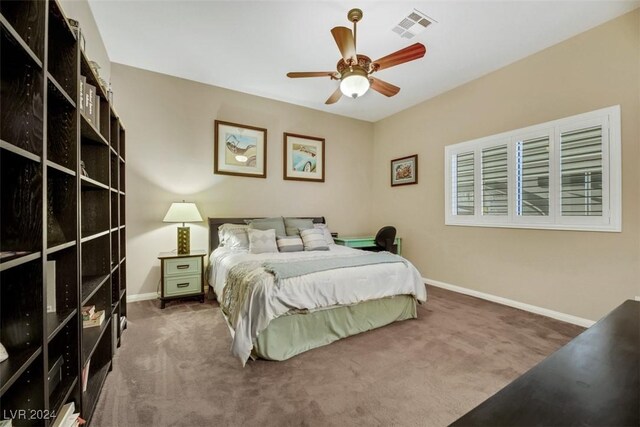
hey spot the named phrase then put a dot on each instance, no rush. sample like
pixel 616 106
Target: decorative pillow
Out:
pixel 262 241
pixel 290 244
pixel 275 223
pixel 313 240
pixel 326 232
pixel 292 225
pixel 233 236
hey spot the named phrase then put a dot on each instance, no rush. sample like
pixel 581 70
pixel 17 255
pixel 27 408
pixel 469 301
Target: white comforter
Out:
pixel 344 286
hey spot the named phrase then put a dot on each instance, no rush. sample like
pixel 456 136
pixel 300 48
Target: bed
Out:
pixel 278 316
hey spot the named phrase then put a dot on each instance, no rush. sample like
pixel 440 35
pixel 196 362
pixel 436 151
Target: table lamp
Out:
pixel 183 212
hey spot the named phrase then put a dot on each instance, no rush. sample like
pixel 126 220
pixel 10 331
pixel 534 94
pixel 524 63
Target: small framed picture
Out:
pixel 239 150
pixel 303 158
pixel 404 171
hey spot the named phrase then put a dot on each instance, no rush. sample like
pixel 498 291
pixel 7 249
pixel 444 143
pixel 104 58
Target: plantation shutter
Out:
pixel 495 195
pixel 581 162
pixel 463 187
pixel 532 177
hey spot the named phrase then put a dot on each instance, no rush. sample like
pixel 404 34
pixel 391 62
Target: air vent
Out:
pixel 413 24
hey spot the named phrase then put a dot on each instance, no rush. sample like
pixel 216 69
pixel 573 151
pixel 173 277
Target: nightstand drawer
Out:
pixel 183 266
pixel 182 285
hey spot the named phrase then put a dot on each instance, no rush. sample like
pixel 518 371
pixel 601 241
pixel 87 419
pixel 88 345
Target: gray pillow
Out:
pixel 313 240
pixel 327 233
pixel 290 244
pixel 292 225
pixel 275 223
pixel 262 241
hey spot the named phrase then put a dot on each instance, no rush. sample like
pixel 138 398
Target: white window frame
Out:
pixel 611 219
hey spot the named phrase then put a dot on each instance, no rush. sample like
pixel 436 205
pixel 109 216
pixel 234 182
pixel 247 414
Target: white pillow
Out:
pixel 313 240
pixel 327 233
pixel 262 241
pixel 233 236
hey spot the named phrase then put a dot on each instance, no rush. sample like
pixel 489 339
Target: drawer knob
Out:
pixel 182 285
pixel 183 266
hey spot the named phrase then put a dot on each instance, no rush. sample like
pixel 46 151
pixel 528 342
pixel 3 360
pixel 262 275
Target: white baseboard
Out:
pixel 142 297
pixel 511 303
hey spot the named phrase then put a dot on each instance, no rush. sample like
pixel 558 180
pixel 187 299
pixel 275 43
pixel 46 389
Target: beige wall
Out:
pixel 584 274
pixel 169 157
pixel 95 49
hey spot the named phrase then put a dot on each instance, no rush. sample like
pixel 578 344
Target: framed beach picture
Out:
pixel 239 150
pixel 404 171
pixel 303 158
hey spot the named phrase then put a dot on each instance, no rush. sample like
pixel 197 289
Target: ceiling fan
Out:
pixel 354 70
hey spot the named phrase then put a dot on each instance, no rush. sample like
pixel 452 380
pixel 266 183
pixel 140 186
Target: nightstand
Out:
pixel 182 275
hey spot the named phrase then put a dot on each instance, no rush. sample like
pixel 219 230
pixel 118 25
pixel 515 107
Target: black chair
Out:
pixel 385 240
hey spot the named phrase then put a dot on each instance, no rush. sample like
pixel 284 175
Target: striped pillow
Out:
pixel 313 240
pixel 290 244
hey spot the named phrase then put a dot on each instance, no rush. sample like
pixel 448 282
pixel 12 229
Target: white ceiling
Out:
pixel 250 46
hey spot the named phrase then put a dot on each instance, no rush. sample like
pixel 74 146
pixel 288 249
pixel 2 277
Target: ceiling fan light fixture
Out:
pixel 355 83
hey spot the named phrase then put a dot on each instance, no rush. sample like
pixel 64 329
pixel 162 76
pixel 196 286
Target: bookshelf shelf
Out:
pixel 91 285
pixel 95 383
pixel 57 321
pixel 93 234
pixel 91 336
pixel 19 260
pixel 18 39
pixel 19 151
pixel 61 247
pixel 60 232
pixel 59 91
pixel 92 184
pixel 21 96
pixel 12 368
pixel 61 393
pixel 26 19
pixel 90 133
pixel 60 168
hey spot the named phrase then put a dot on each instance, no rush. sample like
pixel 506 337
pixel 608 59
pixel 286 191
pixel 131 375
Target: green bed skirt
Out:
pixel 290 335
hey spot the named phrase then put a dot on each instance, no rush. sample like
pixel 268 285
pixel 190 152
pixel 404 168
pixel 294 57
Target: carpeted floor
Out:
pixel 175 369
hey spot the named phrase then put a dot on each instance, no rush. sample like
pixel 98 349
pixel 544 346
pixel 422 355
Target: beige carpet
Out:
pixel 175 369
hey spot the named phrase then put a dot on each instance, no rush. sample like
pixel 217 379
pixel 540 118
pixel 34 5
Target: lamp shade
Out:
pixel 183 212
pixel 354 83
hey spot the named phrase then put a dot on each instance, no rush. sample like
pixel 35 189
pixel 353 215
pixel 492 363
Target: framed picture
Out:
pixel 303 158
pixel 404 171
pixel 239 150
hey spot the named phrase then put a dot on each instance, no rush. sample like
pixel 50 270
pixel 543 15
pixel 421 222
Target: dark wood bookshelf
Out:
pixel 62 233
pixel 11 369
pixel 27 20
pixel 91 284
pixel 92 336
pixel 56 321
pixel 21 96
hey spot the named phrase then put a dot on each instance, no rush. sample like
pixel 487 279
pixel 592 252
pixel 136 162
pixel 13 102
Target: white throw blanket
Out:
pixel 345 286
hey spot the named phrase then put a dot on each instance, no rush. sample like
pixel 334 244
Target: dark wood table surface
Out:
pixel 594 380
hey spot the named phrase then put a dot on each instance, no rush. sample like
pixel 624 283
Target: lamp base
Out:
pixel 184 240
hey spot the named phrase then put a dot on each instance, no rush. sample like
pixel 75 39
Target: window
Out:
pixel 563 174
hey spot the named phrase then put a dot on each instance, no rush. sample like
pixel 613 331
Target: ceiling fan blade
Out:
pixel 335 97
pixel 415 51
pixel 344 39
pixel 387 89
pixel 297 75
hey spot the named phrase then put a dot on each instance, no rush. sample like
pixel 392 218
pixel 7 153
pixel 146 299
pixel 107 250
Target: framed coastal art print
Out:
pixel 404 171
pixel 303 158
pixel 239 150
